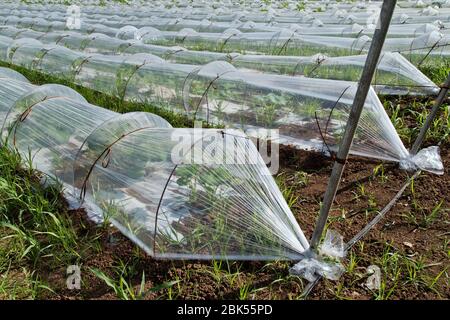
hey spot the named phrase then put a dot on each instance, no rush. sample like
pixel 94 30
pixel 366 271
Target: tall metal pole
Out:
pixel 434 111
pixel 373 56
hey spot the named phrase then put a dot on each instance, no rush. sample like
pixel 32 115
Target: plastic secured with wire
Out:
pixel 308 113
pixel 176 193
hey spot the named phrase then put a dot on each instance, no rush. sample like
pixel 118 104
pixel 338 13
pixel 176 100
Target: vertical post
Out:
pixel 373 56
pixel 434 111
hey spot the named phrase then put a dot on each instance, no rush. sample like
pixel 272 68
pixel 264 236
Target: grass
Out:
pixel 35 231
pixel 124 290
pixel 399 271
pixel 409 114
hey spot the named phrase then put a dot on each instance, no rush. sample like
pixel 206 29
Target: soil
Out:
pixel 349 214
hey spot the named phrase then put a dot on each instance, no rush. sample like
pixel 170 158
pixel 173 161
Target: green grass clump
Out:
pixel 34 228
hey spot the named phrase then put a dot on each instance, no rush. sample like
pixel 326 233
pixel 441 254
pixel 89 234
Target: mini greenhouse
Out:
pixel 186 193
pixel 306 114
pixel 292 37
pixel 423 43
pixel 395 75
pixel 177 24
pixel 288 42
pixel 134 170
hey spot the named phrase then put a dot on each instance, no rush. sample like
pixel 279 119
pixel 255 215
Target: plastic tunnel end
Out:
pixel 427 159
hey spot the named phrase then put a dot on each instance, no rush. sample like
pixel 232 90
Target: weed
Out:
pixel 125 290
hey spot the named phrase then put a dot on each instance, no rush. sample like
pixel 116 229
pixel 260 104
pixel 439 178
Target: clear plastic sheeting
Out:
pixel 431 48
pixel 6 73
pixel 196 205
pixel 177 193
pixel 310 268
pixel 422 40
pixel 24 104
pixel 4 45
pixel 333 245
pixel 11 90
pixel 283 42
pixel 395 75
pixel 127 32
pixel 19 43
pixel 427 159
pixel 287 42
pixel 275 12
pixel 313 26
pixel 326 264
pixel 308 113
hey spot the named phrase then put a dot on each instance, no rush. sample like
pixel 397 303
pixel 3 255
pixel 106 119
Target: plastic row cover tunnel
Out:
pixel 315 27
pixel 308 113
pixel 285 41
pixel 169 190
pixel 429 47
pixel 395 75
pixel 107 23
pixel 353 30
pixel 332 12
pixel 288 42
pixel 91 23
pixel 202 8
